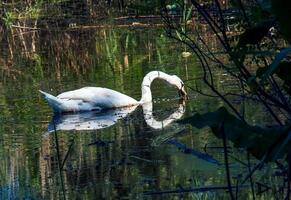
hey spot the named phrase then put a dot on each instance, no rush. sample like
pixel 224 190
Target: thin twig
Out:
pixel 226 163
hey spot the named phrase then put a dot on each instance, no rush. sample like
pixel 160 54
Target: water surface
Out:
pixel 128 159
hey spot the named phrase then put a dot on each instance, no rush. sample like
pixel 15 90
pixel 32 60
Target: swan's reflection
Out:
pixel 88 120
pixel 100 120
pixel 152 122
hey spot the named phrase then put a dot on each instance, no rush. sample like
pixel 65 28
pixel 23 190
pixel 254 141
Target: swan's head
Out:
pixel 178 83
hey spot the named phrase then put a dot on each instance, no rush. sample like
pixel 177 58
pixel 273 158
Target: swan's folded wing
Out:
pixel 86 94
pixel 103 97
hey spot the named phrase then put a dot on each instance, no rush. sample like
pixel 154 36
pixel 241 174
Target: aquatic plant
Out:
pixel 8 19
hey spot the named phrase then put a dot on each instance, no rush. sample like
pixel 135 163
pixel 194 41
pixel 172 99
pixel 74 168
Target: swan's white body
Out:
pixel 87 99
pixel 98 98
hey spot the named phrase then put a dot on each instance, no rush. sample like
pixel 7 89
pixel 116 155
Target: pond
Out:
pixel 127 157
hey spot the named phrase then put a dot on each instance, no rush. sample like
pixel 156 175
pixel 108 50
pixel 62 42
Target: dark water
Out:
pixel 125 157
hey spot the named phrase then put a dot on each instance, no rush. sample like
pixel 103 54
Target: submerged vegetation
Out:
pixel 233 55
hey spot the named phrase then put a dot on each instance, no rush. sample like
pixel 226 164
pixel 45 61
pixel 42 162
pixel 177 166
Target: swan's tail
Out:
pixel 53 101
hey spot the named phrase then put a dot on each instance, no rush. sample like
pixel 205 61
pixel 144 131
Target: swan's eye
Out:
pixel 182 84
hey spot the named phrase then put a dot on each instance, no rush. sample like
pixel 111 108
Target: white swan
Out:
pixel 98 98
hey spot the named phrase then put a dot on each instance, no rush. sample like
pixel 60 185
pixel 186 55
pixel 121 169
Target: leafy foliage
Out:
pixel 270 143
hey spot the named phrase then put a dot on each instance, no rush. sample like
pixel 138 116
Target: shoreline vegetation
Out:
pixel 71 13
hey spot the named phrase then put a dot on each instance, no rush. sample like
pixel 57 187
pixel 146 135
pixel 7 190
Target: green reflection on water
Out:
pixel 134 162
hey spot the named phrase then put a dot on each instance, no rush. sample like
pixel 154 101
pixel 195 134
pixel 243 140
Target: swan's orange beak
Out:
pixel 183 93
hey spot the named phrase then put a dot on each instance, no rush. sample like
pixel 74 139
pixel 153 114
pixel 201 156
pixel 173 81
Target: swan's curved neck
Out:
pixel 146 94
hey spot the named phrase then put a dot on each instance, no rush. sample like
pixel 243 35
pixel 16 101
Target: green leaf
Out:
pixel 189 12
pixel 270 143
